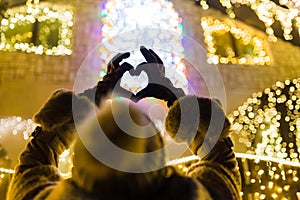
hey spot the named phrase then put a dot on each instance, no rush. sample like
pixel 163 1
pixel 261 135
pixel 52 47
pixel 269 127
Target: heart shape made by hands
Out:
pixel 134 81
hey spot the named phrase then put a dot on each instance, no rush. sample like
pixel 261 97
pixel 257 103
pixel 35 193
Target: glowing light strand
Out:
pixel 268 123
pixel 262 176
pixel 27 16
pixel 212 27
pixel 267 12
pixel 119 16
pixel 238 155
pixel 17 125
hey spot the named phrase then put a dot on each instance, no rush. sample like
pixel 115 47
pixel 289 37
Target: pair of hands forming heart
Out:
pixel 158 87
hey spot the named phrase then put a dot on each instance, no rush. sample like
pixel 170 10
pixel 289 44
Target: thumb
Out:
pixel 124 68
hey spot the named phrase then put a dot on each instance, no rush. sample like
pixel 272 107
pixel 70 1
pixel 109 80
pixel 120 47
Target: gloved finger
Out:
pixel 160 65
pixel 142 63
pixel 152 90
pixel 115 61
pixel 119 71
pixel 156 56
pixel 139 68
pixel 124 68
pixel 147 55
pixel 150 69
pixel 120 56
pixel 152 57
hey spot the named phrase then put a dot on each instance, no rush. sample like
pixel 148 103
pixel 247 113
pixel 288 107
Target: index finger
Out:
pixel 156 56
pixel 148 55
pixel 119 57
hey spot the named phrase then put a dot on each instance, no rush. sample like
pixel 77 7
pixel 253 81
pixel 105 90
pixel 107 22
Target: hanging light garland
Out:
pixel 268 11
pixel 266 129
pixel 214 27
pixel 262 177
pixel 52 20
pixel 268 124
pixel 16 125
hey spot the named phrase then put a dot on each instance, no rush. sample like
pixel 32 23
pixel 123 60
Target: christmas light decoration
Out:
pixel 251 49
pixel 15 125
pixel 267 129
pixel 39 28
pixel 268 11
pixel 268 123
pixel 8 171
pixel 262 177
pixel 137 18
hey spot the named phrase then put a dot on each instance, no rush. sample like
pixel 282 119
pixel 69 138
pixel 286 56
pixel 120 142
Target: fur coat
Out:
pixel 36 176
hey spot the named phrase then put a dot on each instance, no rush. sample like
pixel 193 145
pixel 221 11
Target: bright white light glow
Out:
pixel 128 24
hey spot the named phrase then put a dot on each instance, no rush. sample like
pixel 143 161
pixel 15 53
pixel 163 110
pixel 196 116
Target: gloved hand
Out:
pixel 111 81
pixel 159 86
pixel 115 73
pixel 56 118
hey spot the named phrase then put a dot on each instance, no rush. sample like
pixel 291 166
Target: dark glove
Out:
pixel 111 81
pixel 159 86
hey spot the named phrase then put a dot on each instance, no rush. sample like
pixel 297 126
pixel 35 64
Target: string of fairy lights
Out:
pixel 154 24
pixel 267 126
pixel 17 126
pixel 268 11
pixel 17 29
pixel 268 123
pixel 215 27
pixel 262 177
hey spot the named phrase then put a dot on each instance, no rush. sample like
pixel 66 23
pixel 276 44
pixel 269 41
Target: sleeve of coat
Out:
pixel 218 171
pixel 37 167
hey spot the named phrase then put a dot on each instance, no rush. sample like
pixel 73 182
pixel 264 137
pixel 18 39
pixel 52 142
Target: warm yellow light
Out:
pixel 29 14
pixel 267 158
pixel 213 26
pixel 286 187
pixel 270 184
pixel 8 171
pixel 262 196
pixel 274 195
pixel 267 12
